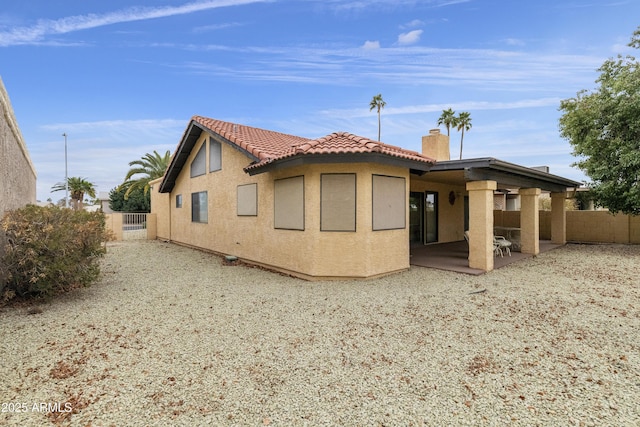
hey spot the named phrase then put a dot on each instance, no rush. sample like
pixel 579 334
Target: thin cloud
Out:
pixel 34 34
pixel 412 37
pixel 371 45
pixel 416 23
pixel 514 42
pixel 216 27
pixel 483 69
pixel 432 108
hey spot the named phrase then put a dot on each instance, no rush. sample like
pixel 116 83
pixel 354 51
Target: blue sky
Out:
pixel 122 78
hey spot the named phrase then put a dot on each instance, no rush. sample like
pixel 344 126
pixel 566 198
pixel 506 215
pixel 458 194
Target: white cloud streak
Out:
pixel 371 45
pixel 482 69
pixel 412 37
pixel 36 34
pixel 432 108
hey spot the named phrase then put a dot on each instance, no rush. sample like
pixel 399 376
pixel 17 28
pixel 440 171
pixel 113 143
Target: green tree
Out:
pixel 603 126
pixel 78 187
pixel 150 167
pixel 448 119
pixel 463 123
pixel 138 200
pixel 378 103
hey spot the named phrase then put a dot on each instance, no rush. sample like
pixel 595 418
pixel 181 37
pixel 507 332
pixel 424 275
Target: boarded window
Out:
pixel 289 203
pixel 215 156
pixel 199 207
pixel 248 200
pixel 198 165
pixel 389 202
pixel 338 202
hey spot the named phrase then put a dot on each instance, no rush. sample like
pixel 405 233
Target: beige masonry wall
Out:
pixel 17 173
pixel 583 226
pixel 160 205
pixel 308 253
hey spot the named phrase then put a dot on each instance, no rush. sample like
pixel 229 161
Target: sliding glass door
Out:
pixel 416 217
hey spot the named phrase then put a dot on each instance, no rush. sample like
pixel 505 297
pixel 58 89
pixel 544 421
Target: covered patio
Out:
pixel 454 256
pixel 478 180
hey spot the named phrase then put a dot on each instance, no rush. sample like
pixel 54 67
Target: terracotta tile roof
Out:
pixel 269 149
pixel 262 144
pixel 269 146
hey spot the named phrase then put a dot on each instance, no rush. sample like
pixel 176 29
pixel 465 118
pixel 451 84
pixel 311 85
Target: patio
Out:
pixel 454 256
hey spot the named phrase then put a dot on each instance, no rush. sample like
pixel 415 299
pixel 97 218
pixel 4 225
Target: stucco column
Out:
pixel 529 221
pixel 558 219
pixel 481 224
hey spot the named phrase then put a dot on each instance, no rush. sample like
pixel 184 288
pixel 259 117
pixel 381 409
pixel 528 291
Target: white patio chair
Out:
pixel 500 244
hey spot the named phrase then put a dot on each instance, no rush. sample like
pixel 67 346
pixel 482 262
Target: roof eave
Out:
pixel 187 142
pixel 190 137
pixel 489 168
pixel 414 166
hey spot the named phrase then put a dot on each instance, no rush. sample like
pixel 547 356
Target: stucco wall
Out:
pixel 17 174
pixel 160 206
pixel 309 252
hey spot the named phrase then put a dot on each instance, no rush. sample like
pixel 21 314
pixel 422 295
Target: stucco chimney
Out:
pixel 436 145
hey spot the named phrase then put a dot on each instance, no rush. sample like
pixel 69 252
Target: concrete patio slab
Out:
pixel 454 256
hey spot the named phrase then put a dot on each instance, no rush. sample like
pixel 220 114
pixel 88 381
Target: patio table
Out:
pixel 512 234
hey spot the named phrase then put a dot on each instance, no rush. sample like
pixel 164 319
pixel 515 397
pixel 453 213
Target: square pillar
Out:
pixel 558 219
pixel 529 221
pixel 481 224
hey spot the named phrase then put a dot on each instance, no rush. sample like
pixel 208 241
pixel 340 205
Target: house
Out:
pixel 340 206
pixel 17 173
pixel 102 201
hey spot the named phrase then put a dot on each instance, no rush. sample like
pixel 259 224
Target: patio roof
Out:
pixel 506 174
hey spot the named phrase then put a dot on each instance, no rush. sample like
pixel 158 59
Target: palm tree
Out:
pixel 448 118
pixel 377 102
pixel 78 187
pixel 463 122
pixel 151 166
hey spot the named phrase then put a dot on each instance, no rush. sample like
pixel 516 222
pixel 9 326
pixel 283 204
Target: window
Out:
pixel 338 202
pixel 289 203
pixel 198 166
pixel 199 207
pixel 389 202
pixel 248 200
pixel 215 156
pixel 179 201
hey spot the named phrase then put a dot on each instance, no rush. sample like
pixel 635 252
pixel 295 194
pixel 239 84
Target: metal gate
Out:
pixel 134 226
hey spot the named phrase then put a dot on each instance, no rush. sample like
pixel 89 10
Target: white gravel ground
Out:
pixel 170 336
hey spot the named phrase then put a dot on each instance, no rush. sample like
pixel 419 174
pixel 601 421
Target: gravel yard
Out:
pixel 170 336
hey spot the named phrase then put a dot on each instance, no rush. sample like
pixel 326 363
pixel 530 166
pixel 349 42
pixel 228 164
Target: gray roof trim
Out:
pixel 307 159
pixel 506 173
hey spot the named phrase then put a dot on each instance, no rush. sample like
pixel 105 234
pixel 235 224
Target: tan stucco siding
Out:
pixel 17 174
pixel 309 252
pixel 450 217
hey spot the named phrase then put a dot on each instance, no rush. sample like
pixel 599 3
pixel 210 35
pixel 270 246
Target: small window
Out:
pixel 199 207
pixel 338 202
pixel 198 166
pixel 179 201
pixel 289 203
pixel 248 200
pixel 215 156
pixel 389 202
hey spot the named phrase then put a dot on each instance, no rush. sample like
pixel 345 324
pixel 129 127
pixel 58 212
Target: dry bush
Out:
pixel 49 250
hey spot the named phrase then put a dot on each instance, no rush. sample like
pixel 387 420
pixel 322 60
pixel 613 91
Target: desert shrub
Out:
pixel 49 250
